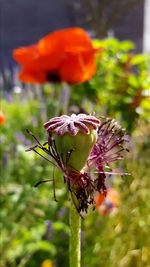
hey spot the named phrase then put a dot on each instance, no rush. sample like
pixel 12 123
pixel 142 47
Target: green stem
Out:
pixel 75 229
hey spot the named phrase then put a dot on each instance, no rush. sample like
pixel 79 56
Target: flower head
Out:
pixel 64 55
pixel 81 147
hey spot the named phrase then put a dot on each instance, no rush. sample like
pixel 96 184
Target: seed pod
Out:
pixel 74 138
pixel 75 149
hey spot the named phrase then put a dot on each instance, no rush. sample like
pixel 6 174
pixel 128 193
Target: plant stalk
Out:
pixel 75 235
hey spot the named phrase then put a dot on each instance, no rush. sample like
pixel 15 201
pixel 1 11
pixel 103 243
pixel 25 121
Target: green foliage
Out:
pixel 120 84
pixel 30 226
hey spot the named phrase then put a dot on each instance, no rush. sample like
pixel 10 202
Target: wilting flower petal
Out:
pixel 110 144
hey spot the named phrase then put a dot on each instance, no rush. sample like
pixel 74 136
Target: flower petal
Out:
pixel 32 76
pixel 26 55
pixel 69 39
pixel 77 67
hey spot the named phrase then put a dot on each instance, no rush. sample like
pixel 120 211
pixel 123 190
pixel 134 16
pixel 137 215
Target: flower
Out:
pixel 64 55
pixel 2 118
pixel 82 146
pixel 47 263
pixel 107 204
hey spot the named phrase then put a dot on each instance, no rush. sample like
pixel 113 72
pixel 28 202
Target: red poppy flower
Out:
pixel 65 55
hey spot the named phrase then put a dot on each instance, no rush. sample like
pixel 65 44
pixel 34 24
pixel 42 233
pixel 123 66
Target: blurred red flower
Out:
pixel 64 55
pixel 2 118
pixel 107 204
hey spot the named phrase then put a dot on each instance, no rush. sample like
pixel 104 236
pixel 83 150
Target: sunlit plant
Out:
pixel 81 146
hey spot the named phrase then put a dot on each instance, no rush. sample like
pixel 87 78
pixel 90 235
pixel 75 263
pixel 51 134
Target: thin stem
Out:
pixel 75 232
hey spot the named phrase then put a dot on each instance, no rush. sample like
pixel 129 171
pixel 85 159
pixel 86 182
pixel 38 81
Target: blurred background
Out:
pixel 34 228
